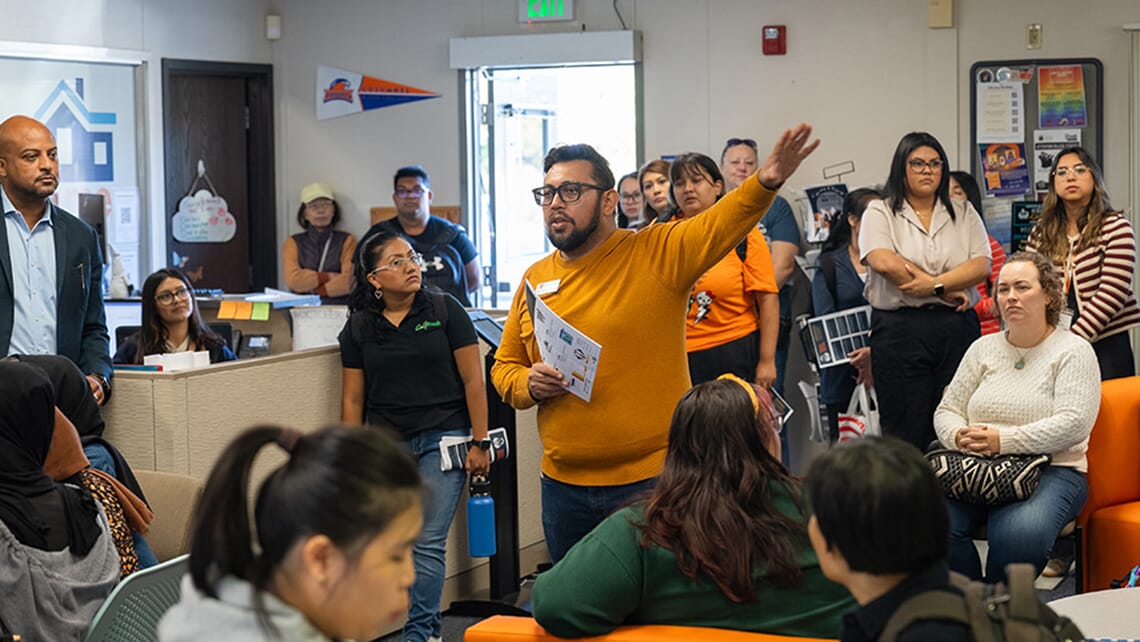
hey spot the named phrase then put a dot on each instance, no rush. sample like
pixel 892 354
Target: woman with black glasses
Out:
pixel 171 322
pixel 411 363
pixel 926 253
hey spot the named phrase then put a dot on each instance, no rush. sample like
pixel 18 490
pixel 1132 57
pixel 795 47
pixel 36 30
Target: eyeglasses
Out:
pixel 1075 170
pixel 917 164
pixel 630 196
pixel 167 298
pixel 318 204
pixel 410 193
pixel 400 261
pixel 569 192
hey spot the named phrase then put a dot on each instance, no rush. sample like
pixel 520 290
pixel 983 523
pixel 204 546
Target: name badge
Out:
pixel 1066 320
pixel 547 287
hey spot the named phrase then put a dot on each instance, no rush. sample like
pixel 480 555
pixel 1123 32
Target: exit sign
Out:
pixel 545 10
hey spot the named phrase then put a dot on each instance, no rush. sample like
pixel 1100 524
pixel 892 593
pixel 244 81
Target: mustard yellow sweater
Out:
pixel 628 294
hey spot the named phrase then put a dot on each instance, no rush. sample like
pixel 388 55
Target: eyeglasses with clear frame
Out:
pixel 399 262
pixel 918 165
pixel 1076 170
pixel 410 193
pixel 167 298
pixel 570 192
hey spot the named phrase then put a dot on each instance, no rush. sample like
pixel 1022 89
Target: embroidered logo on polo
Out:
pixel 436 263
pixel 427 325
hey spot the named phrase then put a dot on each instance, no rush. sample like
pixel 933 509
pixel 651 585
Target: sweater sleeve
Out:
pixel 340 284
pixel 952 413
pixel 297 278
pixel 512 361
pixel 1076 402
pixel 596 587
pixel 1115 280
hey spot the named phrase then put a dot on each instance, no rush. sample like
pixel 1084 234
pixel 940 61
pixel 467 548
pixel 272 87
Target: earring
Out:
pixel 378 294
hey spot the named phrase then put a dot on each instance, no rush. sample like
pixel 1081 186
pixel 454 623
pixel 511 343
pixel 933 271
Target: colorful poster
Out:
pixel 1061 97
pixel 1005 171
pixel 341 93
pixel 826 203
pixel 1022 220
pixel 1046 144
pixel 1001 112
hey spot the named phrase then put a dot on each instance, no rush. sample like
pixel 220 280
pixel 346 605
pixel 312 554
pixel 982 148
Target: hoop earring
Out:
pixel 378 294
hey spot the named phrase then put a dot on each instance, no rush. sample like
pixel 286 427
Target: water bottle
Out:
pixel 480 518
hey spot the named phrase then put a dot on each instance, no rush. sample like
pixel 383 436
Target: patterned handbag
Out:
pixel 993 480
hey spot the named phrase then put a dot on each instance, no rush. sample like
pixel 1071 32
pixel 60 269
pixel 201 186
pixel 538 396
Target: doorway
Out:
pixel 515 116
pixel 218 117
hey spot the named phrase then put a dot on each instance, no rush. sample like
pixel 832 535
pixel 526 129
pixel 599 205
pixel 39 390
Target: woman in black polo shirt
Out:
pixel 412 364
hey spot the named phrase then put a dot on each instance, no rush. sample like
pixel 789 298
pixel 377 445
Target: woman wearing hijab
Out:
pixel 57 559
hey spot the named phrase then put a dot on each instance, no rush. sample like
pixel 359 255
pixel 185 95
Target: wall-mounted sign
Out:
pixel 340 93
pixel 545 10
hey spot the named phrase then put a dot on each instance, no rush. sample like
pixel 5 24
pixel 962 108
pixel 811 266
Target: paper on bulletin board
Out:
pixel 125 216
pixel 1005 171
pixel 1061 97
pixel 1046 144
pixel 1001 112
pixel 998 212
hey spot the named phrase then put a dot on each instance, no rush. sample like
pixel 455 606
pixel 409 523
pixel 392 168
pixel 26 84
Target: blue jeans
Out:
pixel 429 553
pixel 1018 532
pixel 101 459
pixel 569 512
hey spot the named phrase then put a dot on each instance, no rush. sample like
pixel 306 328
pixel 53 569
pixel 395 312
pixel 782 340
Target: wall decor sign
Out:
pixel 341 93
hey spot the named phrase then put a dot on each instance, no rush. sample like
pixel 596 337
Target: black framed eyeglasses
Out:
pixel 569 192
pixel 168 298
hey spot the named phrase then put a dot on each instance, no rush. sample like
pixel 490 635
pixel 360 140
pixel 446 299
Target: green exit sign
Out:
pixel 545 10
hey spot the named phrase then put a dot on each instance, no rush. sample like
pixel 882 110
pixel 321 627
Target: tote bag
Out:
pixel 862 416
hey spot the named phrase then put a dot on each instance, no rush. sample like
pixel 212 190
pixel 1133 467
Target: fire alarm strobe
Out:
pixel 775 38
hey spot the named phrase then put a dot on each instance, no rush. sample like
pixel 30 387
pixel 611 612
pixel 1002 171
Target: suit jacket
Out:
pixel 80 321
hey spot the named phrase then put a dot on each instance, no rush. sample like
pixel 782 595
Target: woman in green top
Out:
pixel 720 542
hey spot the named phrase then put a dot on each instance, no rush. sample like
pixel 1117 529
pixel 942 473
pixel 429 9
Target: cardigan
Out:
pixel 1102 278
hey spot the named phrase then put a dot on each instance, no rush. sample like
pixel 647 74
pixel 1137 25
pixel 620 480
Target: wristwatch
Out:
pixel 482 444
pixel 104 383
pixel 939 289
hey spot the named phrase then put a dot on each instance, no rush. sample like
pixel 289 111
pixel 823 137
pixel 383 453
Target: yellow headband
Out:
pixel 728 376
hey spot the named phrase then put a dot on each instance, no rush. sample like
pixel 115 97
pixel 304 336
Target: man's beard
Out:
pixel 577 237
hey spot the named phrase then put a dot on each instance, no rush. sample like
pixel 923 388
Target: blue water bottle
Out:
pixel 480 518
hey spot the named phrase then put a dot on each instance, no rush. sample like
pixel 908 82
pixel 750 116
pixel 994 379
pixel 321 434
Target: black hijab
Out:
pixel 72 392
pixel 27 420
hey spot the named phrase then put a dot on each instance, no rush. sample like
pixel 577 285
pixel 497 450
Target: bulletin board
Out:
pixel 1022 112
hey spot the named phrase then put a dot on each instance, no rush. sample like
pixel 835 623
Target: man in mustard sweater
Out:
pixel 627 291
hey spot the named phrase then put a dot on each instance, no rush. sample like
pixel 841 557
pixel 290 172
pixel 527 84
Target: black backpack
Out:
pixel 993 612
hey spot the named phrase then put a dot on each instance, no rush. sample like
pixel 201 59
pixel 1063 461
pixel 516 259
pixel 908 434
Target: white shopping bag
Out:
pixel 862 416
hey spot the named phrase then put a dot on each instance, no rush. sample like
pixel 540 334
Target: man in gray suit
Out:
pixel 51 266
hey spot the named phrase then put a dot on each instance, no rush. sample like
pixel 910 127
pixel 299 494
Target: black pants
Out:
pixel 914 353
pixel 739 356
pixel 1114 355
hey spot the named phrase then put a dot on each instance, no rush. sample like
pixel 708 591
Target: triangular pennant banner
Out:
pixel 340 93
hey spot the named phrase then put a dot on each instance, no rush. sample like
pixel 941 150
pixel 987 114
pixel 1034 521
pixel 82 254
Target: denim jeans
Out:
pixel 1017 532
pixel 101 459
pixel 569 512
pixel 429 553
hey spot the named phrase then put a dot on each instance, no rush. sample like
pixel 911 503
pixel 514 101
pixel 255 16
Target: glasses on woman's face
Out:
pixel 1076 170
pixel 319 204
pixel 919 165
pixel 168 298
pixel 399 262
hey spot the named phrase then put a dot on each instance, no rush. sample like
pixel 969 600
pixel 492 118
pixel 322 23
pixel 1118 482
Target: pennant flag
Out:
pixel 341 92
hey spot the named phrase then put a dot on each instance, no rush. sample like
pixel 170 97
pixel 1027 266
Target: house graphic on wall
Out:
pixel 86 146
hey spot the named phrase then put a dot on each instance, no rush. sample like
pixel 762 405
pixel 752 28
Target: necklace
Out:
pixel 1020 363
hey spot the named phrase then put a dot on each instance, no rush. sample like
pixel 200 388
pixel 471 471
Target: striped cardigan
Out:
pixel 1103 281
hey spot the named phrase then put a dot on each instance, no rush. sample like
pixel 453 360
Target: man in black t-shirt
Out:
pixel 450 260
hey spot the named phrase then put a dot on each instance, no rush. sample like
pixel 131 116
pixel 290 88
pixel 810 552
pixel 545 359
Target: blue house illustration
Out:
pixel 85 155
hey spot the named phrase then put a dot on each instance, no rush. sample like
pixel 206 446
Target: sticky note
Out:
pixel 244 310
pixel 260 311
pixel 226 309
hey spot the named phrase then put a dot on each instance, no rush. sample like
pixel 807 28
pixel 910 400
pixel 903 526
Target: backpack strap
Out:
pixel 439 302
pixel 930 605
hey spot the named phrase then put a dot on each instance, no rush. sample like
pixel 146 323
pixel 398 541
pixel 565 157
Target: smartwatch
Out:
pixel 482 444
pixel 105 384
pixel 939 289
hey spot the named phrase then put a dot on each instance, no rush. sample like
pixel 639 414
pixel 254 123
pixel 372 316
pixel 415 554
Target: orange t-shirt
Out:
pixel 722 306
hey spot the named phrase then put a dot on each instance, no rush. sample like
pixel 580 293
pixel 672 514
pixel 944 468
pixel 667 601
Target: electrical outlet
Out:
pixel 1033 36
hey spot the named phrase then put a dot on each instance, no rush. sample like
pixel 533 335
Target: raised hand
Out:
pixel 790 150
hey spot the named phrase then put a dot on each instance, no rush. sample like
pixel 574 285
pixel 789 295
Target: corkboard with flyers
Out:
pixel 1022 113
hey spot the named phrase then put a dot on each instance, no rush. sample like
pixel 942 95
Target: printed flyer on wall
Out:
pixel 826 203
pixel 1046 144
pixel 1061 96
pixel 1004 169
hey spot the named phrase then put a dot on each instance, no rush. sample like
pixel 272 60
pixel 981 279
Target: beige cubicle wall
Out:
pixel 180 421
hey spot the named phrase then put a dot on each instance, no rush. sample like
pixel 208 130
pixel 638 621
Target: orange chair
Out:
pixel 503 628
pixel 1110 520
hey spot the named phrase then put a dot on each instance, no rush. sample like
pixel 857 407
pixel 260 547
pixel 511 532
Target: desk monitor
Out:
pixel 121 313
pixel 487 328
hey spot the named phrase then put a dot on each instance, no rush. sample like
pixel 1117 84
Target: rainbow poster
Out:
pixel 1061 96
pixel 341 93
